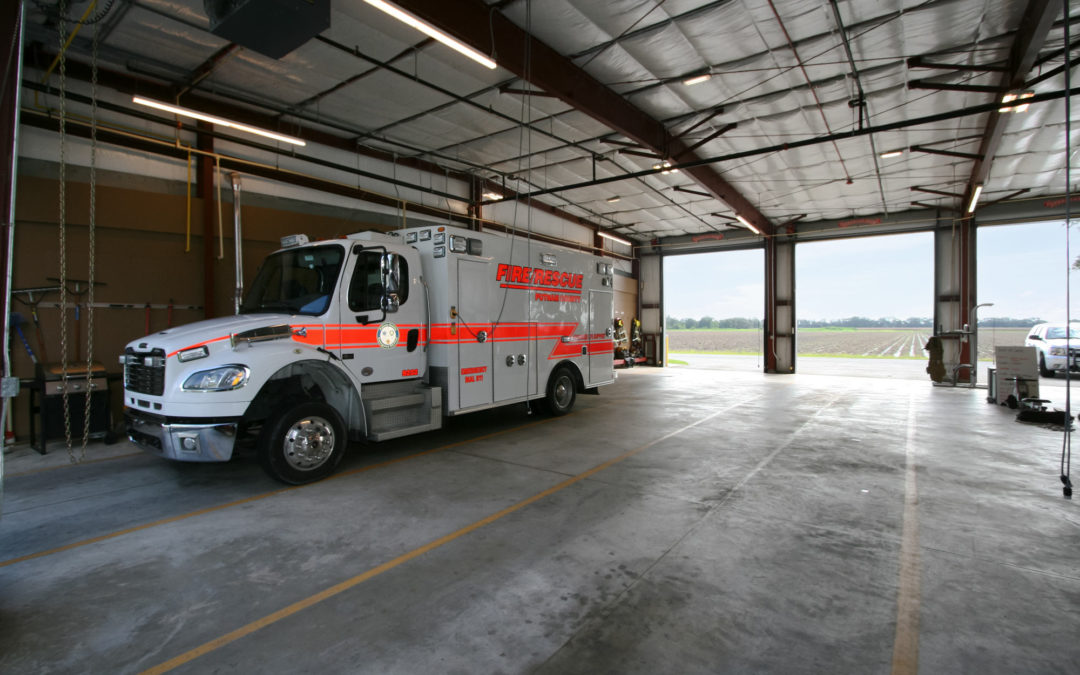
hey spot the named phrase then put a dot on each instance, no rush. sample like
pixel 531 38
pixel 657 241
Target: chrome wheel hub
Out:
pixel 563 391
pixel 309 443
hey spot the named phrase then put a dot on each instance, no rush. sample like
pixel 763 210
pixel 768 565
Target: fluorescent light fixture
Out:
pixel 612 237
pixel 431 31
pixel 891 153
pixel 974 198
pixel 612 200
pixel 492 196
pixel 220 121
pixel 666 166
pixel 1009 98
pixel 697 79
pixel 747 223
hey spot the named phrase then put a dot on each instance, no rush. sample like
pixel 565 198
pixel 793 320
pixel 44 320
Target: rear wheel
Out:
pixel 302 442
pixel 561 392
pixel 1043 370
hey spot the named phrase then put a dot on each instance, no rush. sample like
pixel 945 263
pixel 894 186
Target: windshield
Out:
pixel 295 281
pixel 1059 333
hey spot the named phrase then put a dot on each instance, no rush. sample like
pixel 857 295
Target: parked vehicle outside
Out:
pixel 1058 347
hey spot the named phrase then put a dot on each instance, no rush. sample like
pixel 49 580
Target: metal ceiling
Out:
pixel 590 91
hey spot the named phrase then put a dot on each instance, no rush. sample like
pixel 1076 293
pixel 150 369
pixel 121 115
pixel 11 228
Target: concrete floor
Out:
pixel 684 521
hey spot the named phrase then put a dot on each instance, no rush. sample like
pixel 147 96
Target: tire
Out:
pixel 1043 370
pixel 302 442
pixel 561 392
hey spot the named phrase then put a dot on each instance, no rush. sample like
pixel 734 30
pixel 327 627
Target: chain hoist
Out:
pixel 63 38
pixel 61 24
pixel 91 244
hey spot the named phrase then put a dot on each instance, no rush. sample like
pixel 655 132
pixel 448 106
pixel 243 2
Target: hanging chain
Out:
pixel 62 25
pixel 91 244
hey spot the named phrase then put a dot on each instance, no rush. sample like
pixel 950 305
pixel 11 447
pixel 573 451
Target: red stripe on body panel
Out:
pixel 198 344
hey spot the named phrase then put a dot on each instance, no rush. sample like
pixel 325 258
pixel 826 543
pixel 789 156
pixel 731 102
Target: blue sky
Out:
pixel 1021 269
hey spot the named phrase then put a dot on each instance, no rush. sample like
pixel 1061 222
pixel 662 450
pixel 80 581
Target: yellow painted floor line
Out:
pixel 255 498
pixel 905 659
pixel 70 465
pixel 337 589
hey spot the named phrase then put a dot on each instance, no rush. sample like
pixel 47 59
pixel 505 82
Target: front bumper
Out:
pixel 195 441
pixel 1060 363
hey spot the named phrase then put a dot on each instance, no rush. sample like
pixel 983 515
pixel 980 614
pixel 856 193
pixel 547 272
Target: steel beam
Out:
pixel 946 153
pixel 1030 37
pixel 205 69
pixel 473 22
pixel 131 85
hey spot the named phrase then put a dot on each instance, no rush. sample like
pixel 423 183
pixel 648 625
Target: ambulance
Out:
pixel 373 337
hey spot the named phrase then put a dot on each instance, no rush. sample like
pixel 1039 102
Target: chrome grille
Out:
pixel 144 372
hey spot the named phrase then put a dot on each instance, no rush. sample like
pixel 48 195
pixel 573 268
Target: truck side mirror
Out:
pixel 1034 337
pixel 390 302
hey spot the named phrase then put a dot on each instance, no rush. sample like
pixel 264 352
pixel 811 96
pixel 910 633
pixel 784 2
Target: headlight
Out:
pixel 1057 351
pixel 225 378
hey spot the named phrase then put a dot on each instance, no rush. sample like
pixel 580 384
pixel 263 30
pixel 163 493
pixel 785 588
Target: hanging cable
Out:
pixel 1066 441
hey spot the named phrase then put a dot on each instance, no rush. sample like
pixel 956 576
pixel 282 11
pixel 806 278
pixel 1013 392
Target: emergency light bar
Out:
pixel 290 240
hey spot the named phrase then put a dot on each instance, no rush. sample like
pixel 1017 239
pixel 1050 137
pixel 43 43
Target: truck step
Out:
pixel 393 402
pixel 395 411
pixel 401 431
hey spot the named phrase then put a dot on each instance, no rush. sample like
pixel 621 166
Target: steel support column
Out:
pixel 779 305
pixel 476 206
pixel 11 26
pixel 955 296
pixel 209 216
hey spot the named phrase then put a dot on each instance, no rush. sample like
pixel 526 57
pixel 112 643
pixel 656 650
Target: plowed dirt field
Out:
pixel 888 343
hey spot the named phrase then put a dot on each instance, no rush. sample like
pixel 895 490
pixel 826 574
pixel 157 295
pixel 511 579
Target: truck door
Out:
pixel 473 326
pixel 382 316
pixel 601 347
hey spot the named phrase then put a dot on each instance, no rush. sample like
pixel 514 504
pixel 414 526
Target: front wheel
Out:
pixel 561 392
pixel 1043 370
pixel 302 442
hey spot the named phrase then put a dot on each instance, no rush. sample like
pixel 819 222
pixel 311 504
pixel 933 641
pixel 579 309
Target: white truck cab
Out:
pixel 373 337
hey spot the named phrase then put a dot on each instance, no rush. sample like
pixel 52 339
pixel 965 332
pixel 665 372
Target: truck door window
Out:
pixel 365 289
pixel 369 284
pixel 295 281
pixel 397 278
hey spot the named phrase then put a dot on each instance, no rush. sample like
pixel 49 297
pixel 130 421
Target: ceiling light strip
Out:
pixel 220 121
pixel 697 79
pixel 747 223
pixel 426 28
pixel 975 198
pixel 612 237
